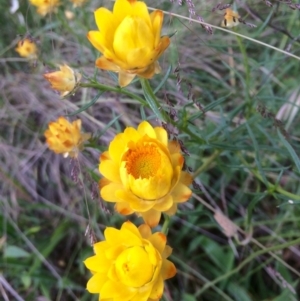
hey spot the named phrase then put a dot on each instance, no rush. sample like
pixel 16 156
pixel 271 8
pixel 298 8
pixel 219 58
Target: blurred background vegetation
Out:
pixel 235 106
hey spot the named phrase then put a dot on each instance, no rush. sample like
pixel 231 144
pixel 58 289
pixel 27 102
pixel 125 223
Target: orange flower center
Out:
pixel 143 161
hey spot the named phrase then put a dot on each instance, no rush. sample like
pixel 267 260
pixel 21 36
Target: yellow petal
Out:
pixel 168 269
pixel 108 192
pixel 100 247
pixel 172 210
pixel 97 264
pixel 122 8
pixel 174 147
pixel 98 41
pixel 105 64
pixel 119 237
pixel 181 193
pixel 151 217
pixel 159 241
pixel 139 58
pixel 157 289
pixel 162 45
pixel 113 252
pixel 123 208
pixel 164 204
pixel 149 71
pixel 125 78
pixel 145 231
pixel 157 19
pixel 110 170
pixel 105 22
pixel 129 226
pixel 140 9
pixel 167 252
pixel 112 289
pixel 124 40
pixel 135 203
pixel 96 283
pixel 145 128
pixel 142 295
pixel 186 178
pixel 161 135
pixel 119 144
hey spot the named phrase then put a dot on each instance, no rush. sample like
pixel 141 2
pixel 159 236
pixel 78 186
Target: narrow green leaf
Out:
pixel 290 149
pixel 251 206
pixel 163 80
pixel 256 149
pixel 151 99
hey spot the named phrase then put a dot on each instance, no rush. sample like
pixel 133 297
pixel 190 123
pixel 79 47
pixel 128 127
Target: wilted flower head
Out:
pixel 78 3
pixel 27 48
pixel 45 7
pixel 129 39
pixel 130 264
pixel 65 138
pixel 143 173
pixel 64 80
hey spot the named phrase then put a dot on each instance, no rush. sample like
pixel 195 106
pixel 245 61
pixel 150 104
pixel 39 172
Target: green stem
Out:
pixel 243 263
pixel 271 187
pixel 165 227
pixel 113 89
pixel 152 100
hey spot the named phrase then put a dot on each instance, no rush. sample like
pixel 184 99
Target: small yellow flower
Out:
pixel 65 138
pixel 78 3
pixel 231 18
pixel 45 7
pixel 143 173
pixel 129 39
pixel 65 80
pixel 130 264
pixel 27 48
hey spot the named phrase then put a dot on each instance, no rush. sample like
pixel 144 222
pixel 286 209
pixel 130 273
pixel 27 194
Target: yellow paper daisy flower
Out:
pixel 64 80
pixel 129 39
pixel 143 173
pixel 65 138
pixel 231 18
pixel 130 264
pixel 45 7
pixel 27 48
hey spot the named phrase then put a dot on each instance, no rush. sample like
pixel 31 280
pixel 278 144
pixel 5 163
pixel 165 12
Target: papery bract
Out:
pixel 129 39
pixel 64 80
pixel 131 264
pixel 143 173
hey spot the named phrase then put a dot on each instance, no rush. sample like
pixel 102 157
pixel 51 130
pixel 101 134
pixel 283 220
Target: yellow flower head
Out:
pixel 129 39
pixel 64 80
pixel 65 138
pixel 143 173
pixel 45 7
pixel 78 3
pixel 231 18
pixel 27 48
pixel 130 264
